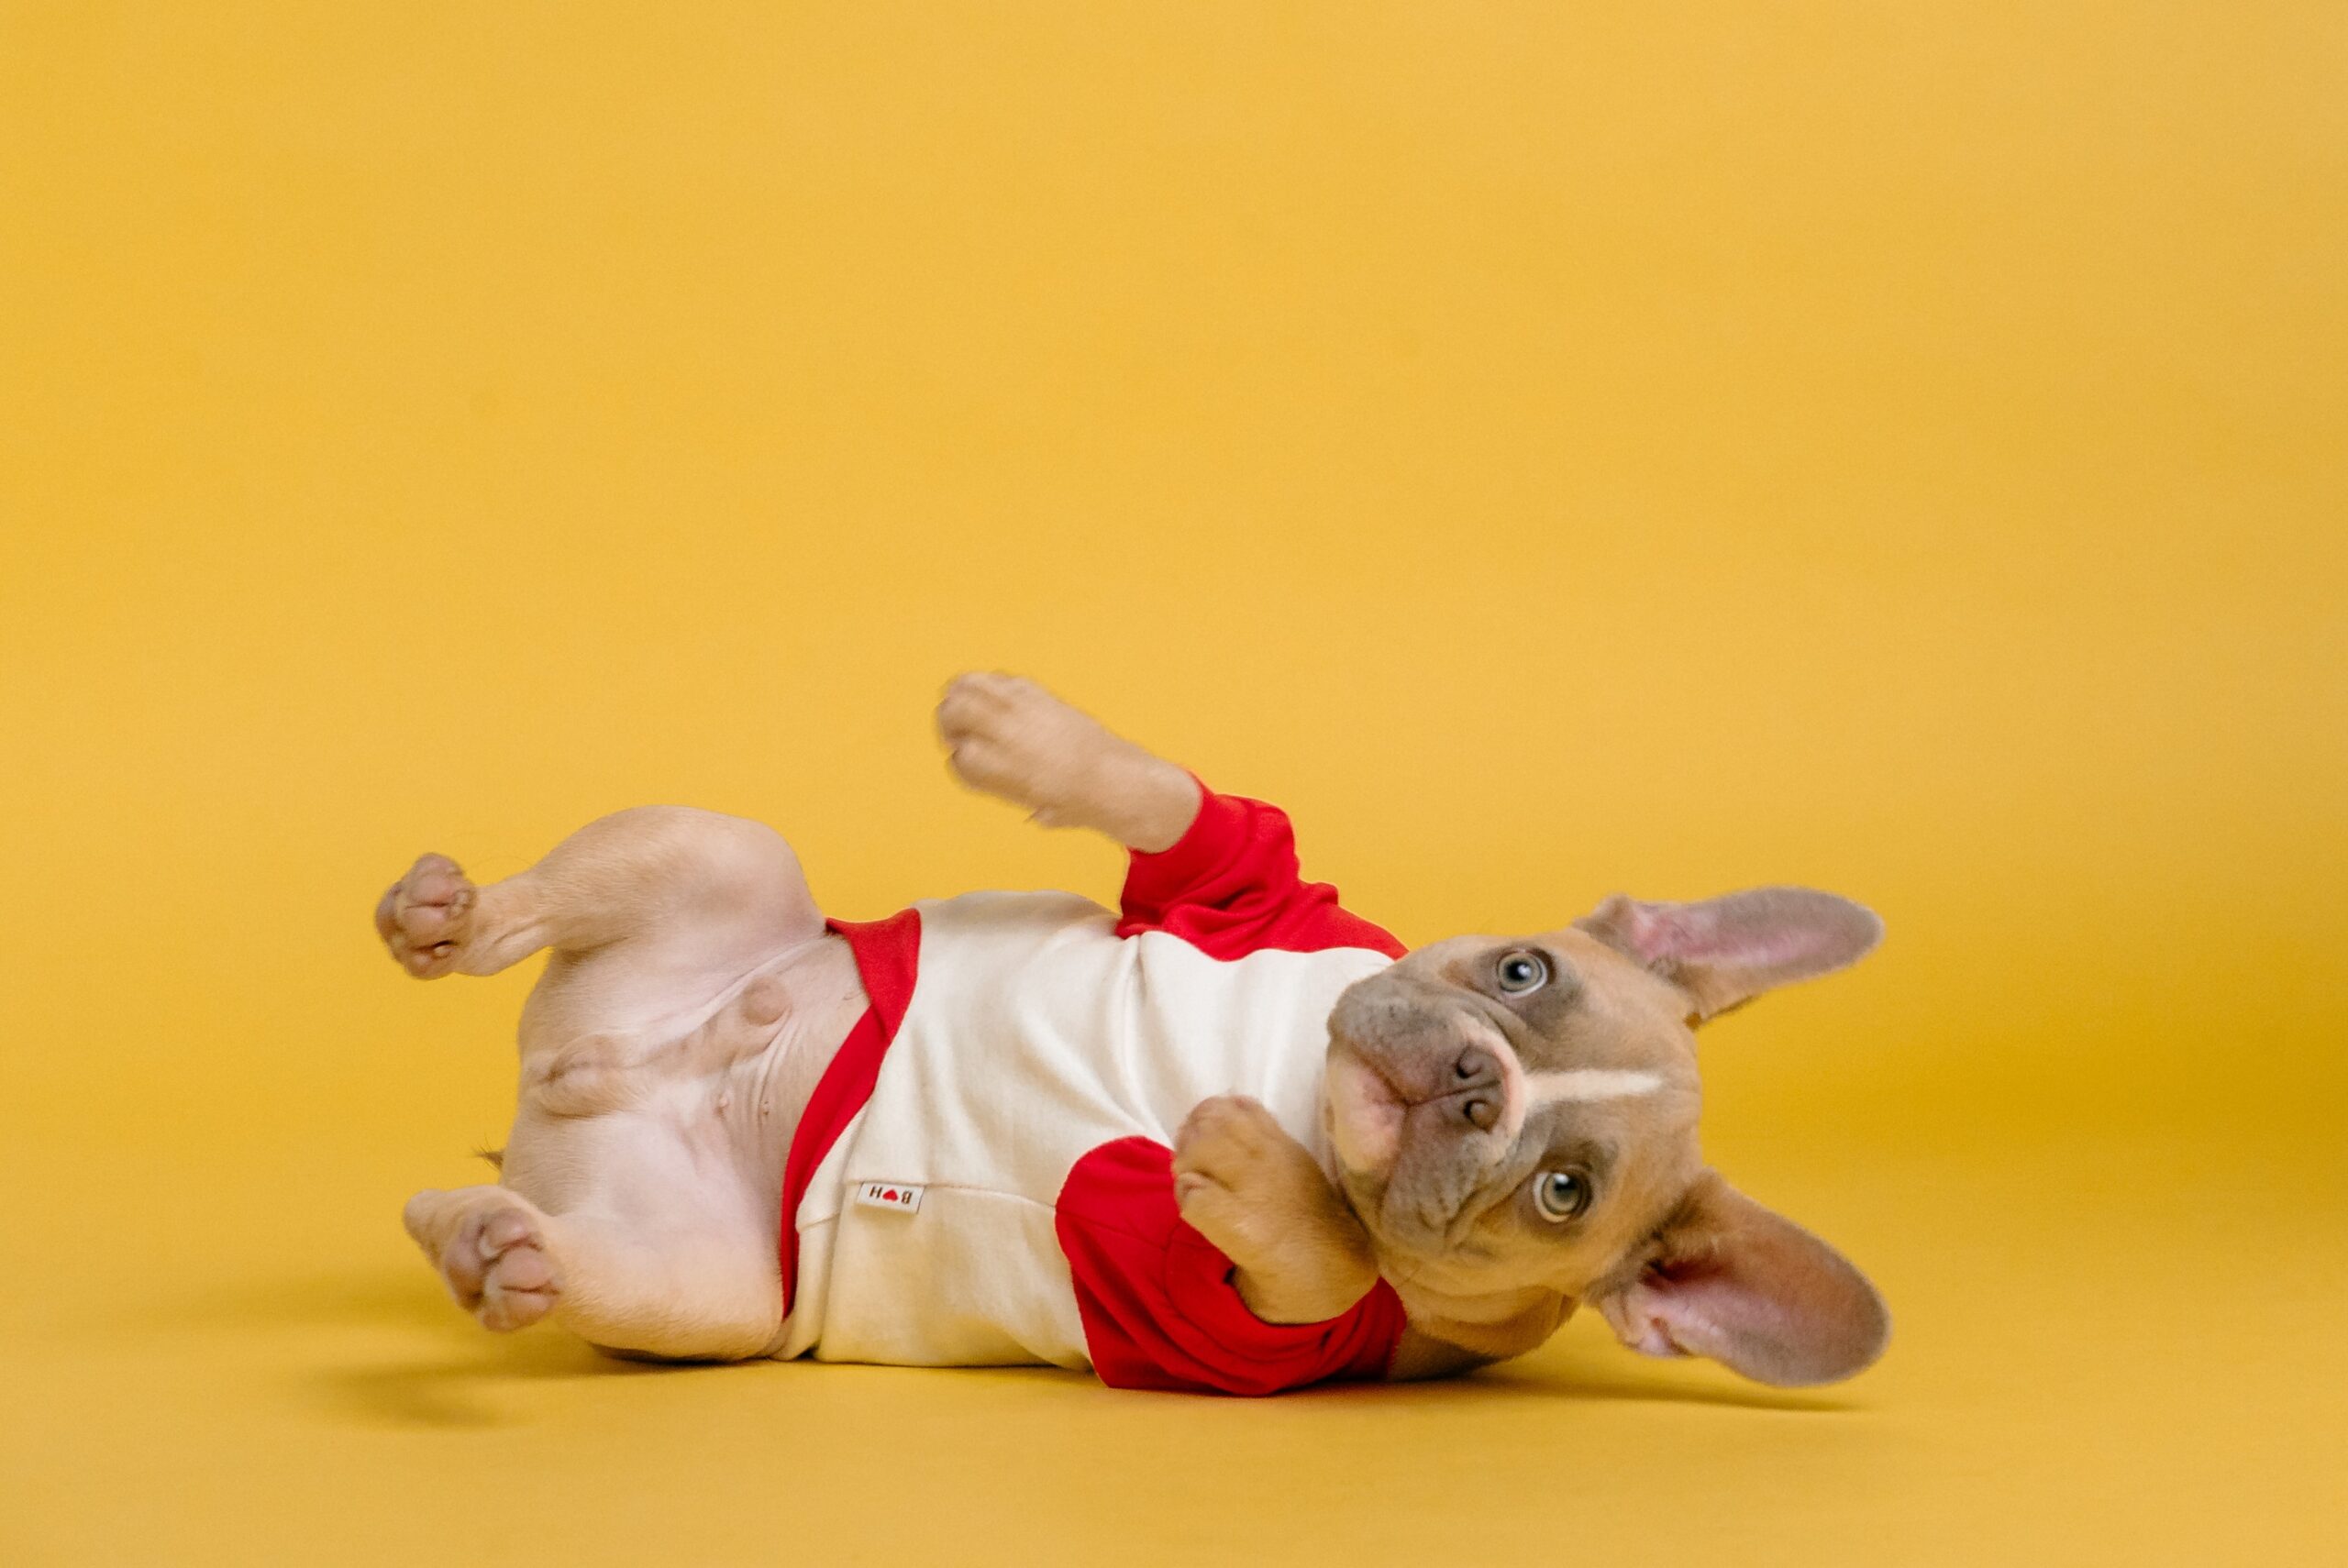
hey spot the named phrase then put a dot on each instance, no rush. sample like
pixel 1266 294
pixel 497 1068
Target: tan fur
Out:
pixel 1300 1255
pixel 692 999
pixel 1678 1262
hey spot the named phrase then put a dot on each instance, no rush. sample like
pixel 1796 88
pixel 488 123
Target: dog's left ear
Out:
pixel 1724 952
pixel 1729 1279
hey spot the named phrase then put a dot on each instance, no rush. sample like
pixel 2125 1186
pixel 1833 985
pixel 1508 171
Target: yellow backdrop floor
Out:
pixel 1551 449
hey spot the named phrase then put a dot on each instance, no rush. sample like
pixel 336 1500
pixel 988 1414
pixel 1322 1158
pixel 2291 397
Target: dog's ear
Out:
pixel 1724 952
pixel 1728 1279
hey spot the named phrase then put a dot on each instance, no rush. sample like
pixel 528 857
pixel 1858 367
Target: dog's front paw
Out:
pixel 489 1245
pixel 426 915
pixel 1243 1183
pixel 1008 736
pixel 1234 1168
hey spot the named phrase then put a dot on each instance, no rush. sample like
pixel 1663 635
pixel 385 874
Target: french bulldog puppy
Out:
pixel 1229 1137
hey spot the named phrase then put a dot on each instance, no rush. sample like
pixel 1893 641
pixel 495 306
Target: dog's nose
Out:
pixel 1476 1080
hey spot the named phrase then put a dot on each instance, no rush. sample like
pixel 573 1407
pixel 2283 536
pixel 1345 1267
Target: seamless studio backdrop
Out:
pixel 1549 449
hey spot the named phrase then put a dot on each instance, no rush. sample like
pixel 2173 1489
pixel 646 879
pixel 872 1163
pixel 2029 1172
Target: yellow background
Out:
pixel 1550 448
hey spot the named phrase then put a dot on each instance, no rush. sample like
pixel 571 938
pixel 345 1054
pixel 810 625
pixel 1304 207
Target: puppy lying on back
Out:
pixel 1228 1137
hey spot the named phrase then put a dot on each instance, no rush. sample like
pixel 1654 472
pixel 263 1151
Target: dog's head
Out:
pixel 1514 1121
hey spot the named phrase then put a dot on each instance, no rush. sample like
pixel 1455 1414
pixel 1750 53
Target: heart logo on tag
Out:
pixel 901 1198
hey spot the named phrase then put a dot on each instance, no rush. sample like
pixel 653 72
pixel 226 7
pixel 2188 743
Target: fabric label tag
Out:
pixel 900 1196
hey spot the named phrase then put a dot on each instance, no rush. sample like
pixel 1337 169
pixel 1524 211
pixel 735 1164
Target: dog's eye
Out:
pixel 1560 1195
pixel 1522 972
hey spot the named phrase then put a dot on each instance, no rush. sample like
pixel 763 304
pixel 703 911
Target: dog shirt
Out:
pixel 983 1175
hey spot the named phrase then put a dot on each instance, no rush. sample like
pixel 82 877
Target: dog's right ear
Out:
pixel 1724 952
pixel 1728 1279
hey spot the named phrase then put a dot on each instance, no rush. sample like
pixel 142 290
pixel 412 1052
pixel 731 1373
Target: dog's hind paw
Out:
pixel 426 917
pixel 489 1245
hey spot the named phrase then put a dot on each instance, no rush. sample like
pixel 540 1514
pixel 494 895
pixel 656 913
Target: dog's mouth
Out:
pixel 1384 1111
pixel 1366 1113
pixel 1421 1104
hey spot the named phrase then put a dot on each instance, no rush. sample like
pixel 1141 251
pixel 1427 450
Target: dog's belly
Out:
pixel 685 1087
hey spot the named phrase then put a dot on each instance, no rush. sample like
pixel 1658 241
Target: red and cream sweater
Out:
pixel 983 1175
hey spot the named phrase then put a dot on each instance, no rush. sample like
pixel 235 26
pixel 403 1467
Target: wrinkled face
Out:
pixel 1514 1122
pixel 1512 1114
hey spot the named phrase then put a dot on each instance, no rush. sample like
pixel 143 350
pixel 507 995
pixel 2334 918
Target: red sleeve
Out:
pixel 1158 1304
pixel 1231 887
